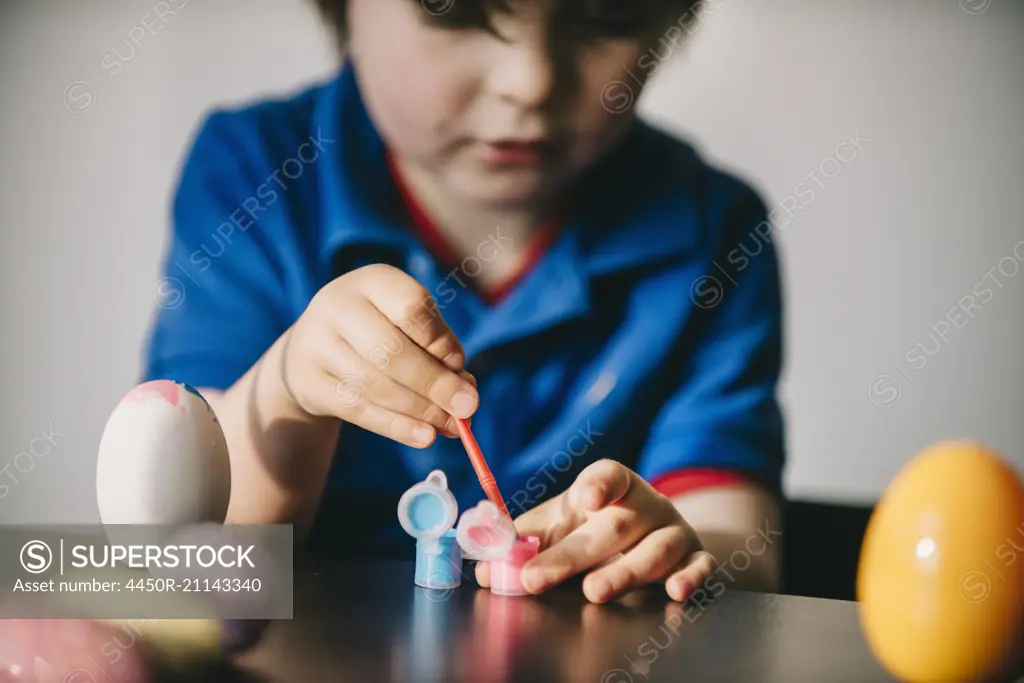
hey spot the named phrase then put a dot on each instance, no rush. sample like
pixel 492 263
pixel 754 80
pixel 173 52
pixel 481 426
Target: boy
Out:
pixel 460 225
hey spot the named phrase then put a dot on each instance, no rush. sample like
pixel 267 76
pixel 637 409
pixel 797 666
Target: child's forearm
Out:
pixel 280 456
pixel 741 526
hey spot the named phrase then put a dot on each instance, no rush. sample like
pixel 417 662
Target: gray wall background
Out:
pixel 899 230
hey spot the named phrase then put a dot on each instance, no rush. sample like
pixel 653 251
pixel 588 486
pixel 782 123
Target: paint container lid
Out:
pixel 485 533
pixel 428 509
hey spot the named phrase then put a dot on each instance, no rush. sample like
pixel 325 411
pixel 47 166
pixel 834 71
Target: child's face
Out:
pixel 501 117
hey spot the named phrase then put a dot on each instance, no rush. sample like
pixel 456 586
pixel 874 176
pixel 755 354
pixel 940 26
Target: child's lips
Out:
pixel 515 152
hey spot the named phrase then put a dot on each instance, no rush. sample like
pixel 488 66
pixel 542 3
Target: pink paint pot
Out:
pixel 507 574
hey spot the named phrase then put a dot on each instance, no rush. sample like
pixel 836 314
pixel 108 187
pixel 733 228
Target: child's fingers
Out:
pixel 698 568
pixel 350 382
pixel 389 394
pixel 605 534
pixel 449 391
pixel 402 428
pixel 410 307
pixel 601 484
pixel 483 574
pixel 647 562
pixel 544 521
pixel 387 350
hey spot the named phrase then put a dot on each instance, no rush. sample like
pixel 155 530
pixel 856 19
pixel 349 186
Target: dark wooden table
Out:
pixel 368 622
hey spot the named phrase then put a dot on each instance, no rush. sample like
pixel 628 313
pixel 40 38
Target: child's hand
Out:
pixel 612 518
pixel 373 350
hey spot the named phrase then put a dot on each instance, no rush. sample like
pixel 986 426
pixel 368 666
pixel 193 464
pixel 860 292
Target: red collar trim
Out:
pixel 441 248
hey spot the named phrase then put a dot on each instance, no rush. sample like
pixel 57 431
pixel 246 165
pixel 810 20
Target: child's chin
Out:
pixel 506 186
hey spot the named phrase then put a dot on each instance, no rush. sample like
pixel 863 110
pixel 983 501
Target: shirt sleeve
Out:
pixel 724 417
pixel 219 298
pixel 680 482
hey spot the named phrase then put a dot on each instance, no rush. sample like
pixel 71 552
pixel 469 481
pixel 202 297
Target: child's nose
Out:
pixel 524 74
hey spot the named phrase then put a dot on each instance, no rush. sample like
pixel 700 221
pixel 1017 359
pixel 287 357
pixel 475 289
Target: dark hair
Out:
pixel 598 18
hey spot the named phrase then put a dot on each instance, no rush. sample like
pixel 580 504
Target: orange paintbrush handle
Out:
pixel 483 472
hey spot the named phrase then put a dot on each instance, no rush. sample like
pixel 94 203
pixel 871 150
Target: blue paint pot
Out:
pixel 427 512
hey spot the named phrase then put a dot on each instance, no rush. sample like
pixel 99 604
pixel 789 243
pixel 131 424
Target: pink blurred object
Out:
pixel 68 651
pixel 506 575
pixel 485 533
pixel 488 535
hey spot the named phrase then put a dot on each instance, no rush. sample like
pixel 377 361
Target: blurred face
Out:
pixel 499 109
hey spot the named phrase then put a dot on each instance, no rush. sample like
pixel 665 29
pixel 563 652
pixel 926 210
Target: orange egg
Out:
pixel 940 583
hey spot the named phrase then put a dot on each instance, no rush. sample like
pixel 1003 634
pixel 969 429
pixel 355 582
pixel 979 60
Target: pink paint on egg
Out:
pixel 159 388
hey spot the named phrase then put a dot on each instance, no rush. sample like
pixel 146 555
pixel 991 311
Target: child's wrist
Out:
pixel 275 374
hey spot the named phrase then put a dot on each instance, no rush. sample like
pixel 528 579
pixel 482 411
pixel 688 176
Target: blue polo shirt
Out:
pixel 649 331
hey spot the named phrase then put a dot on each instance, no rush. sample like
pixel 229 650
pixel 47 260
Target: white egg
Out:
pixel 163 459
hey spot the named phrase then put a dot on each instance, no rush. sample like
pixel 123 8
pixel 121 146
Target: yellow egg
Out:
pixel 940 582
